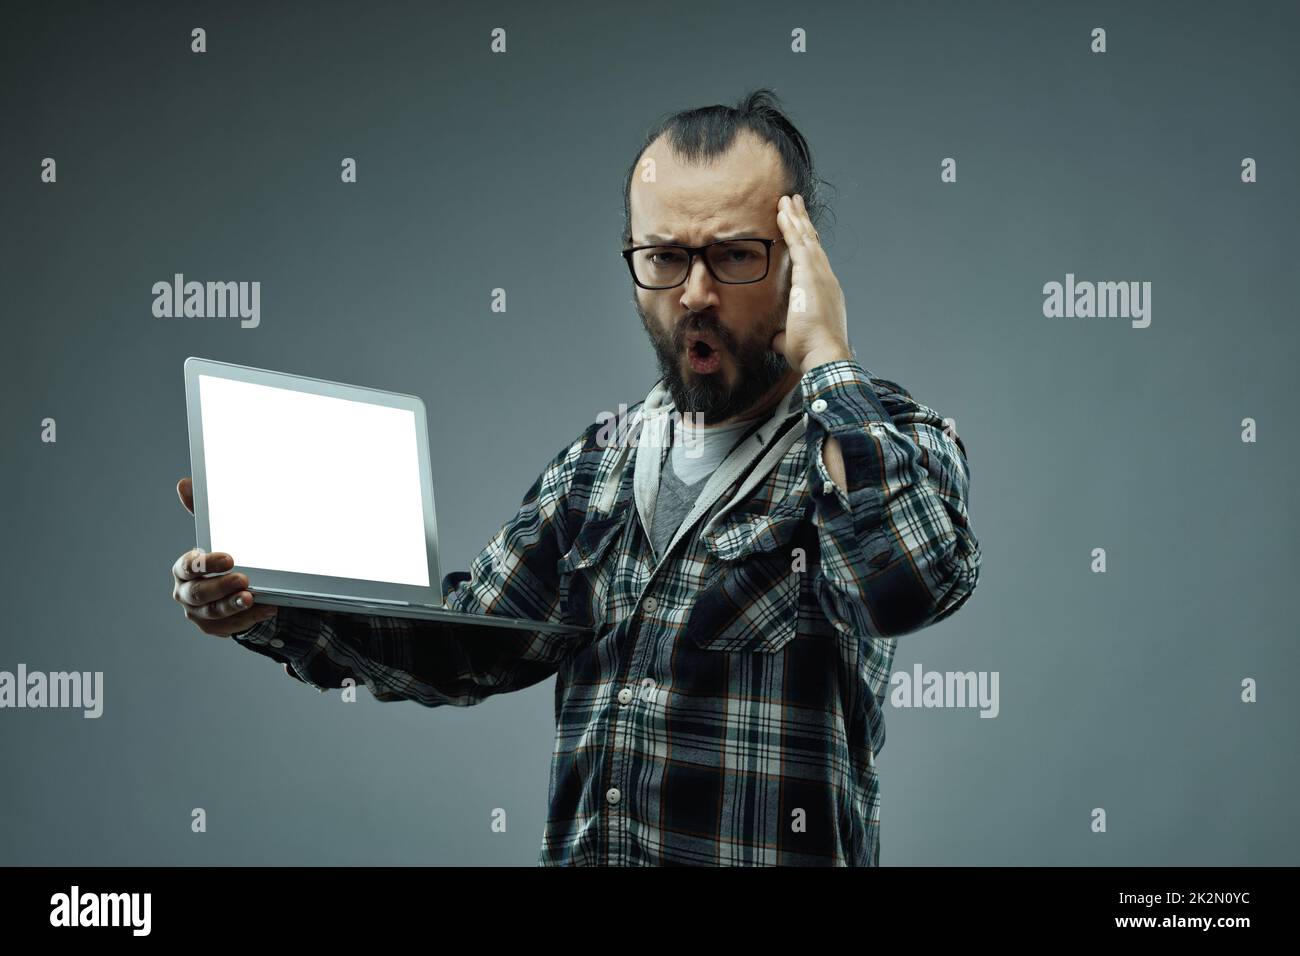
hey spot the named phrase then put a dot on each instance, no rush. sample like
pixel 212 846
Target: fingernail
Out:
pixel 239 601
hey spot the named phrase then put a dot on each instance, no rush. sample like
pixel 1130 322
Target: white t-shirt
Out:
pixel 697 451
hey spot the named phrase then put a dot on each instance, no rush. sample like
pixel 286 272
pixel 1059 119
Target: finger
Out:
pixel 791 229
pixel 803 224
pixel 205 591
pixel 235 601
pixel 196 563
pixel 778 343
pixel 225 626
pixel 806 253
pixel 809 230
pixel 185 489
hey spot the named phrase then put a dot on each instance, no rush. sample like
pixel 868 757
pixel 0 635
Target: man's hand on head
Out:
pixel 816 325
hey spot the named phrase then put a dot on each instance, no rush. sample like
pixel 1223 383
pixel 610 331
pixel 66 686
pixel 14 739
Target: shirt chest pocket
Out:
pixel 750 601
pixel 587 570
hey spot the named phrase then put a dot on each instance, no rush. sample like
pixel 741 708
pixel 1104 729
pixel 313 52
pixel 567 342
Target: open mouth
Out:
pixel 703 353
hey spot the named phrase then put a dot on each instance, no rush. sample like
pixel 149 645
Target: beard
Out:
pixel 758 368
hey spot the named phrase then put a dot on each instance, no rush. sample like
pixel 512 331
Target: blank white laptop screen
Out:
pixel 312 484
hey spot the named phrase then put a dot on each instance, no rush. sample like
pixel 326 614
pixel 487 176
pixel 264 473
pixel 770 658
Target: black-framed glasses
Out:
pixel 732 261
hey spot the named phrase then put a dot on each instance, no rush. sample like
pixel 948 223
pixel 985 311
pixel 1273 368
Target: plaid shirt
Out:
pixel 728 703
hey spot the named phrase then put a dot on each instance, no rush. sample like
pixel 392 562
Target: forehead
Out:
pixel 735 194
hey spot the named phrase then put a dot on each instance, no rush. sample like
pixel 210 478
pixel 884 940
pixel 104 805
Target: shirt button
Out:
pixel 648 689
pixel 276 642
pixel 819 405
pixel 612 795
pixel 650 604
pixel 625 696
pixel 828 488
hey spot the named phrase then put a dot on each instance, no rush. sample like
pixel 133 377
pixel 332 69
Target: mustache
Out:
pixel 702 322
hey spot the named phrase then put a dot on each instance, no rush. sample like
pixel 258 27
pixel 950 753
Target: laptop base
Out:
pixel 421 612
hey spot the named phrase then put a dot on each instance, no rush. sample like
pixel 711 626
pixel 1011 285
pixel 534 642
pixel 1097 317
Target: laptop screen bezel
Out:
pixel 276 579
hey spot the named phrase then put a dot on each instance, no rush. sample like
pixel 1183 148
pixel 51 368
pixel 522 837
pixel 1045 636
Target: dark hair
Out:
pixel 708 132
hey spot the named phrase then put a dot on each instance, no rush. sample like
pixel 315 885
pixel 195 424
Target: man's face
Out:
pixel 713 339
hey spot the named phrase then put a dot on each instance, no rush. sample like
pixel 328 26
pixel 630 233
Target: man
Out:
pixel 745 545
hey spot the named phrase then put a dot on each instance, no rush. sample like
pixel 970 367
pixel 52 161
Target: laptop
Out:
pixel 322 492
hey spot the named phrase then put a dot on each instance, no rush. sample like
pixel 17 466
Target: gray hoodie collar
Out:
pixel 656 416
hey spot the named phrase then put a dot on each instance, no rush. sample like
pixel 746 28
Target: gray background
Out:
pixel 1118 690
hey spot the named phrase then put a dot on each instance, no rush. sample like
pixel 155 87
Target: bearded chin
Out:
pixel 758 370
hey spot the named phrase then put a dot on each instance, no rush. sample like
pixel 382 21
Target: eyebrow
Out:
pixel 735 234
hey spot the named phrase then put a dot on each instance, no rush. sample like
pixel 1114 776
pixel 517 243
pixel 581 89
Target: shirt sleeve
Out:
pixel 897 549
pixel 436 663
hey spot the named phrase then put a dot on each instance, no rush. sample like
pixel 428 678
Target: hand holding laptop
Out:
pixel 213 604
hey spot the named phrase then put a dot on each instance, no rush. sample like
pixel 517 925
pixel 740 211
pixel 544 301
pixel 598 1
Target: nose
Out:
pixel 700 290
